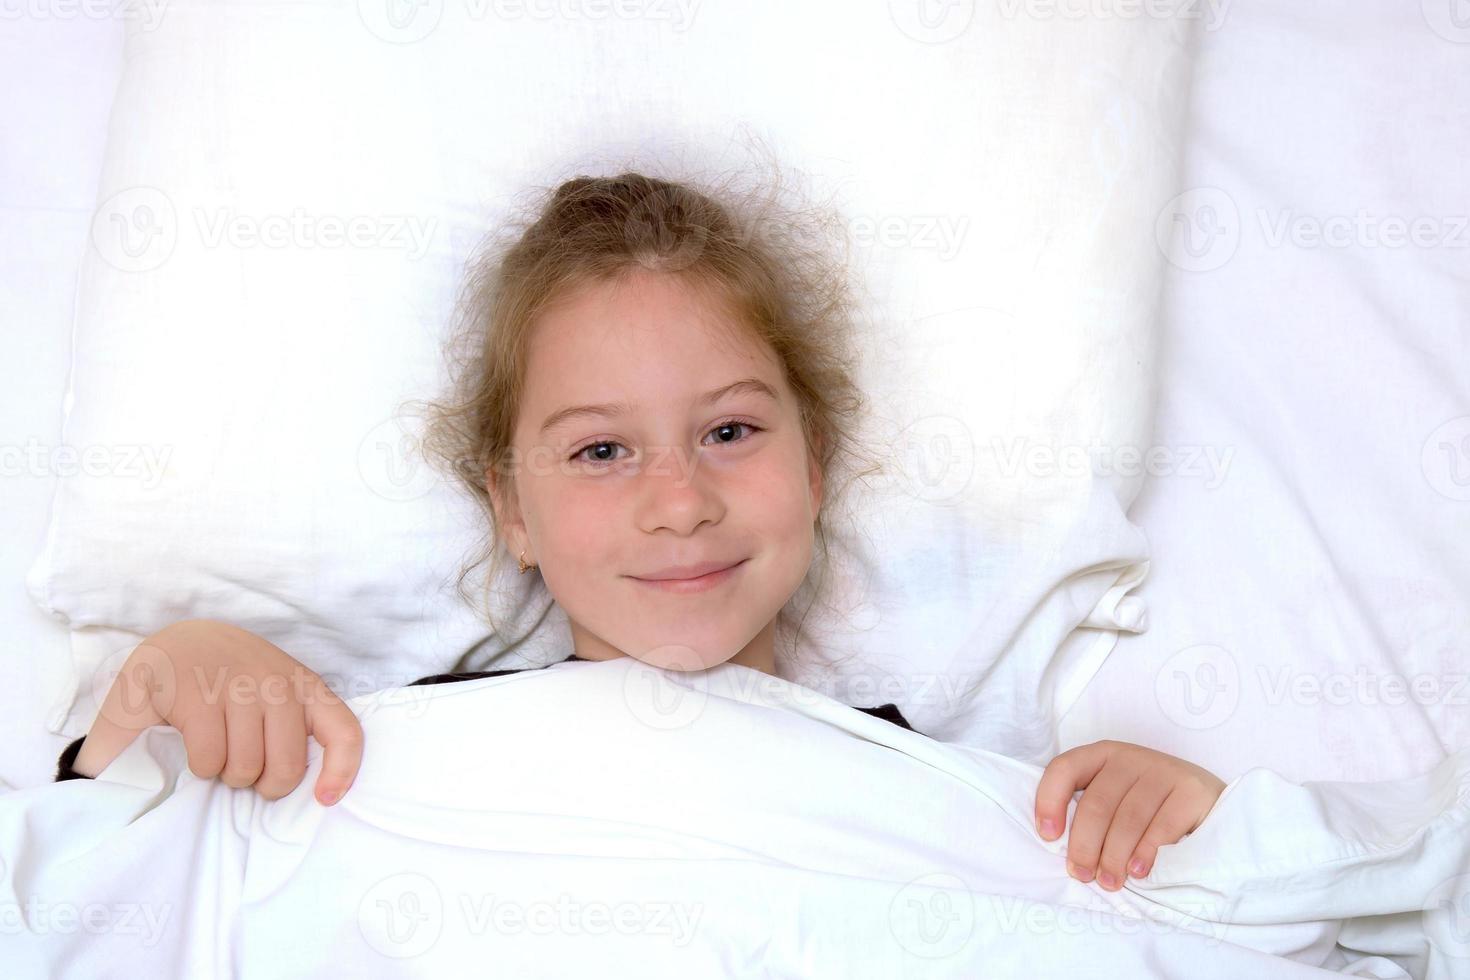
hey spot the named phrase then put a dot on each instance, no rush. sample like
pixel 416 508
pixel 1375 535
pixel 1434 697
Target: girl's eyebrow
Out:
pixel 614 409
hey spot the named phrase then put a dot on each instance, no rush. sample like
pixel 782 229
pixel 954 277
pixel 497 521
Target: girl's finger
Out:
pixel 141 693
pixel 285 750
pixel 203 728
pixel 1062 777
pixel 332 723
pixel 1131 821
pixel 245 743
pixel 1175 818
pixel 1093 816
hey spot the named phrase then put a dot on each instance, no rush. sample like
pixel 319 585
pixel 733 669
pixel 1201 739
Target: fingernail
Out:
pixel 1048 828
pixel 1083 875
pixel 329 797
pixel 1107 880
pixel 1136 868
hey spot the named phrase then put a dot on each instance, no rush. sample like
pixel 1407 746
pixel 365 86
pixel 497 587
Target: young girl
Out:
pixel 653 399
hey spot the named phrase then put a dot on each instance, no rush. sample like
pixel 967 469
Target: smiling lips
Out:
pixel 687 579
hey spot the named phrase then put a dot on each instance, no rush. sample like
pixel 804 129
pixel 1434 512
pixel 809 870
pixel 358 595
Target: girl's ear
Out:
pixel 509 524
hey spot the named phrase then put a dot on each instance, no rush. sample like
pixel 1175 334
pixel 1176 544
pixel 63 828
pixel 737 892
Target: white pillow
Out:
pixel 1002 174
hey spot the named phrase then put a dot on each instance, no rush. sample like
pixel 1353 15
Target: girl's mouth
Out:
pixel 688 586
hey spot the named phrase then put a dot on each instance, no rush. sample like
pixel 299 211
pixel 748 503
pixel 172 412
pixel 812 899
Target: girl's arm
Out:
pixel 243 705
pixel 1136 800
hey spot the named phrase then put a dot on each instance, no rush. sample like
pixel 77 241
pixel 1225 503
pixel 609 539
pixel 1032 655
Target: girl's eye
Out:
pixel 595 447
pixel 604 453
pixel 731 425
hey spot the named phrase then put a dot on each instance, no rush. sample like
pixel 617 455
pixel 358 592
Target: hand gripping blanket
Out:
pixel 613 819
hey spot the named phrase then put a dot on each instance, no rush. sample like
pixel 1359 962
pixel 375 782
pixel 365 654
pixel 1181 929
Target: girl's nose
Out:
pixel 676 494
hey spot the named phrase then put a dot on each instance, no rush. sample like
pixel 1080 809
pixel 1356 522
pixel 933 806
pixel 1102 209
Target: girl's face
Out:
pixel 655 433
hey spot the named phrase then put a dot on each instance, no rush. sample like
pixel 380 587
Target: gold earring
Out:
pixel 524 567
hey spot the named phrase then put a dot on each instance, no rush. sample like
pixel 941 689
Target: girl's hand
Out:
pixel 1136 799
pixel 244 706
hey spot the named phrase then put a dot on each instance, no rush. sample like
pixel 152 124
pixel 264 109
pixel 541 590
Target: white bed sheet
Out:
pixel 1295 600
pixel 59 73
pixel 714 827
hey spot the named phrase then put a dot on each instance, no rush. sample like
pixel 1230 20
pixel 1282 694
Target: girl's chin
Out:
pixel 676 656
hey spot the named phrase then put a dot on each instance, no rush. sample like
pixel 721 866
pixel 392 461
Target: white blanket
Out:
pixel 614 819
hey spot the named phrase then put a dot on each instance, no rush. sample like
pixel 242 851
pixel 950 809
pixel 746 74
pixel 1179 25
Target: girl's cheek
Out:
pixel 577 524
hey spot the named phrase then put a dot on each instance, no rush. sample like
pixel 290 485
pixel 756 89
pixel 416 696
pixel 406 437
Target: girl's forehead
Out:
pixel 609 369
pixel 640 333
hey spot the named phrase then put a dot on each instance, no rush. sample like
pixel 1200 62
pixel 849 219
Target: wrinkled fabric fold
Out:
pixel 665 824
